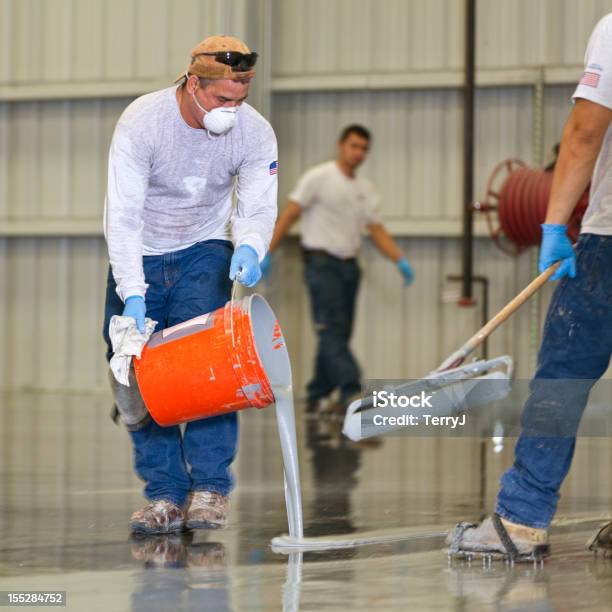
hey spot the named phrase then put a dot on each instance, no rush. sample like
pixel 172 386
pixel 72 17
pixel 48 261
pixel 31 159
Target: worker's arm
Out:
pixel 580 145
pixel 128 176
pixel 388 247
pixel 256 208
pixel 384 242
pixel 285 220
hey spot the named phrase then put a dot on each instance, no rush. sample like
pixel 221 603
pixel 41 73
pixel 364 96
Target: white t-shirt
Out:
pixel 171 185
pixel 596 86
pixel 336 209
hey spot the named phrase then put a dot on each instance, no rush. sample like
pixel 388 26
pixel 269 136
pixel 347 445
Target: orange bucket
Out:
pixel 219 362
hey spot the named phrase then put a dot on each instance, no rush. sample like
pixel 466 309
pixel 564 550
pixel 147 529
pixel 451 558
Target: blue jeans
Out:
pixel 183 285
pixel 333 284
pixel 575 353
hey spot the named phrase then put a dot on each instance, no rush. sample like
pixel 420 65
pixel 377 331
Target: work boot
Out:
pixel 159 516
pixel 602 540
pixel 207 510
pixel 498 537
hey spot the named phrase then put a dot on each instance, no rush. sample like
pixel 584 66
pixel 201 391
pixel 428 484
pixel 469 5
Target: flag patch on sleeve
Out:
pixel 590 79
pixel 274 167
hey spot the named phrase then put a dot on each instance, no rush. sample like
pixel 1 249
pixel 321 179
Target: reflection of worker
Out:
pixel 335 463
pixel 336 206
pixel 158 590
pixel 577 341
pixel 172 163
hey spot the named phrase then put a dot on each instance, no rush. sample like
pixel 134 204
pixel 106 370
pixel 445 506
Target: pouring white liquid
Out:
pixel 273 353
pixel 285 418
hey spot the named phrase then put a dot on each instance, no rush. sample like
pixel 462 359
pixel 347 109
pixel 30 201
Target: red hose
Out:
pixel 522 204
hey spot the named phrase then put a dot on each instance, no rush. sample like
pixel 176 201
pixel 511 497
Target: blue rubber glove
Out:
pixel 406 269
pixel 557 246
pixel 244 266
pixel 135 307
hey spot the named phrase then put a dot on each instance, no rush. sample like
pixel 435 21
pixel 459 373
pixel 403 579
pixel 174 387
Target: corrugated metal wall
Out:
pixel 51 41
pixel 53 153
pixel 361 36
pixel 68 68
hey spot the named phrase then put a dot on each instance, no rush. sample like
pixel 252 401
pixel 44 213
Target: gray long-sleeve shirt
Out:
pixel 171 185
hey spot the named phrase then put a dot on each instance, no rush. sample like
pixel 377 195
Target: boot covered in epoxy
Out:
pixel 158 517
pixel 498 537
pixel 207 510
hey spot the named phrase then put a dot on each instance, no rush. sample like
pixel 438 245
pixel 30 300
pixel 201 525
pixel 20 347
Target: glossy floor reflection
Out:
pixel 67 491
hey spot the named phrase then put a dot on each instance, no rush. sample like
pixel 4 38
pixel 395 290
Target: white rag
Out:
pixel 127 342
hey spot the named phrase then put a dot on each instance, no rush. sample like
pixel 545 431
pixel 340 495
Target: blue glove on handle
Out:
pixel 135 307
pixel 557 246
pixel 245 266
pixel 406 269
pixel 266 265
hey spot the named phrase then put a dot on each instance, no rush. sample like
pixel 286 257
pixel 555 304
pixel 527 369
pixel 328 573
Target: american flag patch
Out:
pixel 274 167
pixel 591 79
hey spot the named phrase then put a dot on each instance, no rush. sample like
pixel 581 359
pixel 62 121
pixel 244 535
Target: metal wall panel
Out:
pixel 369 36
pixel 53 293
pixel 415 164
pixel 53 297
pixel 557 107
pixel 56 156
pixel 346 36
pixel 53 157
pixel 53 40
pixel 53 288
pixel 51 310
pixel 53 167
pixel 416 156
pixel 569 25
pixel 405 332
pixel 48 41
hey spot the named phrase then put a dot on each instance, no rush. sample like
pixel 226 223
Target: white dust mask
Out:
pixel 218 120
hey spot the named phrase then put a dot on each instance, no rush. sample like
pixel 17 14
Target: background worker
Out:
pixel 171 230
pixel 577 341
pixel 336 206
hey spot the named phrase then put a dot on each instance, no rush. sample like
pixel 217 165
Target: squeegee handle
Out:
pixel 458 357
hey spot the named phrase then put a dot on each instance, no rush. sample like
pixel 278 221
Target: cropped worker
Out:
pixel 577 341
pixel 336 206
pixel 176 242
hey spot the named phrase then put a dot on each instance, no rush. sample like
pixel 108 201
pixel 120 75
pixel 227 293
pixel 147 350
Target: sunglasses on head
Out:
pixel 238 62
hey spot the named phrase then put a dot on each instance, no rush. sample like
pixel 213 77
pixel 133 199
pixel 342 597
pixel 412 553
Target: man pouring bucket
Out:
pixel 176 243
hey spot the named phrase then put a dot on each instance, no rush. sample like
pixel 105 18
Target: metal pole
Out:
pixel 468 152
pixel 538 160
pixel 484 281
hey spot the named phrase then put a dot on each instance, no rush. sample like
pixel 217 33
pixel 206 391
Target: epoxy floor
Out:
pixel 67 491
